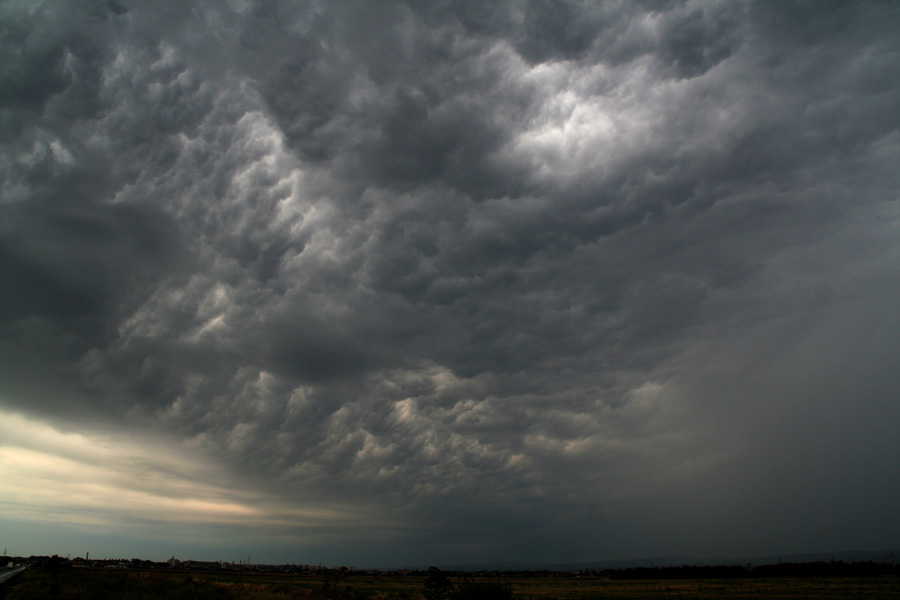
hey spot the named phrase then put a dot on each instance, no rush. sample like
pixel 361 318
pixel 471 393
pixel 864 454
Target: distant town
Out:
pixel 175 563
pixel 885 565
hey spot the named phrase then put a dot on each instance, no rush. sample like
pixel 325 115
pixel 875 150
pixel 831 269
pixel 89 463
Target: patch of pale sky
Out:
pixel 112 481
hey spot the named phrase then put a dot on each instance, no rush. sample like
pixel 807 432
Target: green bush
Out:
pixel 477 589
pixel 438 587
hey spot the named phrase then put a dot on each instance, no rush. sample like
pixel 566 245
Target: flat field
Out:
pixel 100 584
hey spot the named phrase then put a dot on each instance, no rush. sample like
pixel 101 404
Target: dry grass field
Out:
pixel 100 584
pixel 782 588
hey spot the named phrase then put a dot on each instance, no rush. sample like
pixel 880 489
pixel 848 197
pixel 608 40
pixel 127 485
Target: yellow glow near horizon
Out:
pixel 101 480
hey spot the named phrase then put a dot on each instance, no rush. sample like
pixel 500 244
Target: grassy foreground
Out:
pixel 100 584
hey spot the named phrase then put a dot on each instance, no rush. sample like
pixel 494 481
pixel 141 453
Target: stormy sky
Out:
pixel 387 283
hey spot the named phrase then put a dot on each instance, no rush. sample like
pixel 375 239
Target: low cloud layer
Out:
pixel 517 280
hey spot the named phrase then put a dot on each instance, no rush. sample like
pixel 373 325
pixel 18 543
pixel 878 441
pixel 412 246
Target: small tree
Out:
pixel 437 585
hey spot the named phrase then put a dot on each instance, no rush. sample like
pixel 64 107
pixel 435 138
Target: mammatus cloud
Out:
pixel 484 281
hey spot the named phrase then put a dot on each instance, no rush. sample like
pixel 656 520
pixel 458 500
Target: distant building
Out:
pixel 201 564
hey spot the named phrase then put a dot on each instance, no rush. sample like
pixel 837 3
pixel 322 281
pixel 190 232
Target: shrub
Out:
pixel 475 589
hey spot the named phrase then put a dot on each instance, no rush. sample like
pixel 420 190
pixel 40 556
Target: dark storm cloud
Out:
pixel 493 268
pixel 74 260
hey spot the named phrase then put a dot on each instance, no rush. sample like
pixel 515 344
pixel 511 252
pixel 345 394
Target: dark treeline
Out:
pixel 810 569
pixel 833 568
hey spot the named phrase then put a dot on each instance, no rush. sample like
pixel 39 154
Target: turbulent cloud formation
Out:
pixel 456 280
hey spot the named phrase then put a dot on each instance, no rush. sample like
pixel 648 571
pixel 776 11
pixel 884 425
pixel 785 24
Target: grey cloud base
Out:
pixel 593 280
